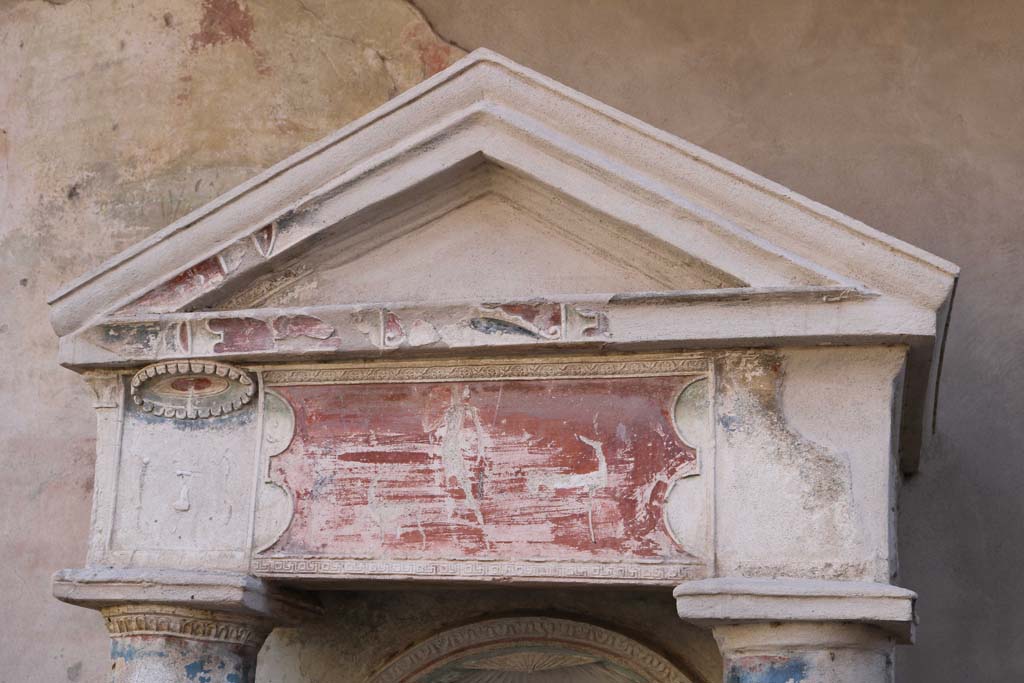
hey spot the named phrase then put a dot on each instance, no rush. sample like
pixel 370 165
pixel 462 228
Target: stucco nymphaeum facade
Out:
pixel 497 332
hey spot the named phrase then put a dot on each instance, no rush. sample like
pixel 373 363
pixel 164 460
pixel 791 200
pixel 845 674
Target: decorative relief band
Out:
pixel 182 622
pixel 578 636
pixel 482 370
pixel 327 567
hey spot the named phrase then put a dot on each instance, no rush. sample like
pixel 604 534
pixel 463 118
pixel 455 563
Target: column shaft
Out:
pixel 153 643
pixel 810 652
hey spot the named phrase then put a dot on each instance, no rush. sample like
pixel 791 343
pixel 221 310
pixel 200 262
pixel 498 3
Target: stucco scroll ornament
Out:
pixel 276 505
pixel 684 512
pixel 189 390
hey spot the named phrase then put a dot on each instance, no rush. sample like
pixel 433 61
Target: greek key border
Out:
pixel 383 372
pixel 470 570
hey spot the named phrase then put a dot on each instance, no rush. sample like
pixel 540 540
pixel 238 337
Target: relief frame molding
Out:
pixel 688 365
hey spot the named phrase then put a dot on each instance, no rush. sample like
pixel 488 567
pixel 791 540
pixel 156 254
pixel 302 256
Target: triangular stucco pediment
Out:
pixel 515 157
pixel 492 188
pixel 483 232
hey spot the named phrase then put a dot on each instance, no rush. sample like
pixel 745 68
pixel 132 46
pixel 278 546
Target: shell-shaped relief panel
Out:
pixel 274 506
pixel 687 505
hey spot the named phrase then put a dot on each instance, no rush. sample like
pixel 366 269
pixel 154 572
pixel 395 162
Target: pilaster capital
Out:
pixel 732 600
pixel 107 388
pixel 185 622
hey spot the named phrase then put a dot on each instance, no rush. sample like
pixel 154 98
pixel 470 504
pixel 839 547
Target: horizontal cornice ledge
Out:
pixel 737 600
pixel 741 203
pixel 103 587
pixel 710 319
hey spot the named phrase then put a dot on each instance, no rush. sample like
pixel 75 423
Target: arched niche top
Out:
pixel 530 648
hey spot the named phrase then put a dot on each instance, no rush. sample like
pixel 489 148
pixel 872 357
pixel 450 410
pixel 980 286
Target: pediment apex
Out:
pixel 723 223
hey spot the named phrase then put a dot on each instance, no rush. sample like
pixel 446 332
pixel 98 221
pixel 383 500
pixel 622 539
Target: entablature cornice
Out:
pixel 713 318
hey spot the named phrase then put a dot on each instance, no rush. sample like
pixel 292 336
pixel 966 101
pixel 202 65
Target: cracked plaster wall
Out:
pixel 117 117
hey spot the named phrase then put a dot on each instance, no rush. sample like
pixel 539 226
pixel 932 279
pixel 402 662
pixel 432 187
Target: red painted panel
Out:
pixel 561 469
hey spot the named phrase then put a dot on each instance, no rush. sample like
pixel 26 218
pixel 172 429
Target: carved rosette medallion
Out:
pixel 189 390
pixel 182 622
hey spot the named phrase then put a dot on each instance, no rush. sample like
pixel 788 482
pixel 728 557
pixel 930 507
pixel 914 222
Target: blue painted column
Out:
pixel 152 643
pixel 174 626
pixel 805 652
pixel 793 630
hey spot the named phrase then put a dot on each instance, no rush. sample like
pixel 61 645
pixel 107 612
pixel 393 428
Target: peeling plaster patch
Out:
pixel 422 333
pixel 286 327
pixel 119 649
pixel 764 669
pixel 434 54
pixel 751 394
pixel 798 488
pixel 223 21
pixel 197 671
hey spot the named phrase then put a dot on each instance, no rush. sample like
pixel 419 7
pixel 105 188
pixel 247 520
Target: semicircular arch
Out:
pixel 535 649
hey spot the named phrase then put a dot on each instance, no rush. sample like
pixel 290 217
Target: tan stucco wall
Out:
pixel 116 118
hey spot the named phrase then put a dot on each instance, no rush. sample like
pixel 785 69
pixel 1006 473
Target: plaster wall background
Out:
pixel 118 117
pixel 361 631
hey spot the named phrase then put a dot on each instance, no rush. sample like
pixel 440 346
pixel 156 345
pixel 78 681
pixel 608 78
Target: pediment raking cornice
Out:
pixel 488 105
pixel 733 258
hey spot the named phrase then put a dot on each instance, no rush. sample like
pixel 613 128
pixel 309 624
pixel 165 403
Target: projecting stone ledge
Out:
pixel 802 630
pixel 168 626
pixel 710 602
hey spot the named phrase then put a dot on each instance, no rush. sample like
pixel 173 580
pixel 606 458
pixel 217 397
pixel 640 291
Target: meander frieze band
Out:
pixel 466 370
pixel 182 622
pixel 669 573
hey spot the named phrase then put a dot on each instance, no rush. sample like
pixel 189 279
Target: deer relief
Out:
pixel 591 482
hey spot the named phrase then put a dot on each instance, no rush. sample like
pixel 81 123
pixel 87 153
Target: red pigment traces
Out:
pixel 184 336
pixel 434 54
pixel 264 239
pixel 295 332
pixel 567 469
pixel 178 289
pixel 239 335
pixel 223 21
pixel 286 327
pixel 394 335
pixel 191 384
